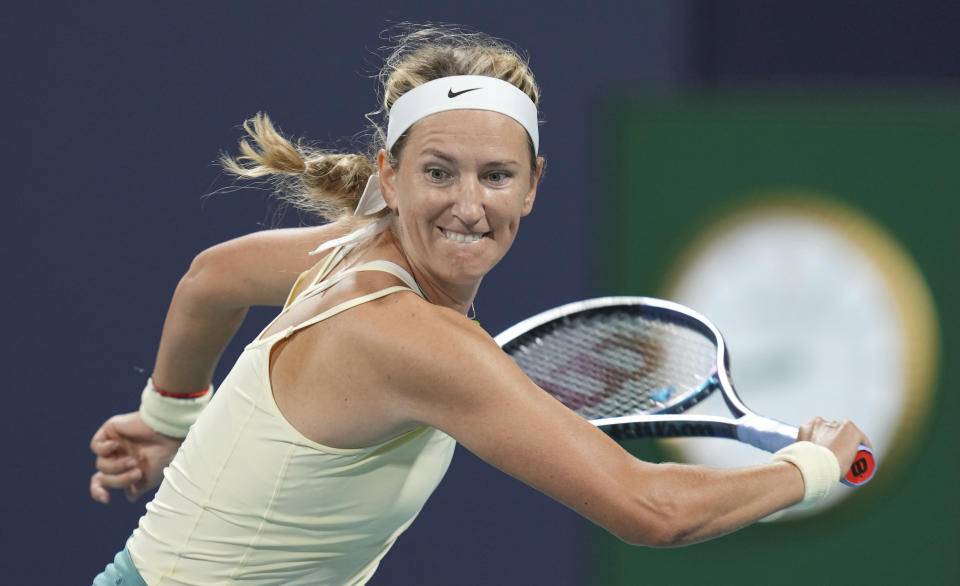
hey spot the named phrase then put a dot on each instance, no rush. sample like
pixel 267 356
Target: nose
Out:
pixel 468 205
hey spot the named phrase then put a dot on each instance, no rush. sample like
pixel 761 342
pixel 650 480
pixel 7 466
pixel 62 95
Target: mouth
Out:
pixel 464 238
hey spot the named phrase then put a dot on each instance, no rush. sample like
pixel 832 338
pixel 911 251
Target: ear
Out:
pixel 532 193
pixel 388 178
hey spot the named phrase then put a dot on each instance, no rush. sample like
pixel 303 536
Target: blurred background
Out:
pixel 790 169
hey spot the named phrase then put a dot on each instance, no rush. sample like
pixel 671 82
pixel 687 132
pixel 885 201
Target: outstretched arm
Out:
pixel 207 308
pixel 455 378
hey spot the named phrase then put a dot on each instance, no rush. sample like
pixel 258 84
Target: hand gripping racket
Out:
pixel 633 365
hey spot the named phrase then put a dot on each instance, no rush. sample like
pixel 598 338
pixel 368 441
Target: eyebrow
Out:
pixel 507 163
pixel 440 155
pixel 449 159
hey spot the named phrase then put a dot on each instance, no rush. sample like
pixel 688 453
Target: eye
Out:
pixel 436 174
pixel 498 177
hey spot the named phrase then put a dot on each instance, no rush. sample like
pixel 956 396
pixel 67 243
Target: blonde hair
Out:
pixel 329 183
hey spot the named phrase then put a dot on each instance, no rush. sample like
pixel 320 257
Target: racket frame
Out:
pixel 671 420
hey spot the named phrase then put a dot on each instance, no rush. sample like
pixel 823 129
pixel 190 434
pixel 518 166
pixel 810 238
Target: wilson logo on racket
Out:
pixel 862 469
pixel 646 429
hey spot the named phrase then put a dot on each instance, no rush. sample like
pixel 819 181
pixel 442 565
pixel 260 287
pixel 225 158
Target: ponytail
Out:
pixel 317 181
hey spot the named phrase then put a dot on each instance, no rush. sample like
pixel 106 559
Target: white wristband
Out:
pixel 171 415
pixel 819 467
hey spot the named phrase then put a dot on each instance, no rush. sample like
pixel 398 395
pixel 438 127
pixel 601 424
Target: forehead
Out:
pixel 469 129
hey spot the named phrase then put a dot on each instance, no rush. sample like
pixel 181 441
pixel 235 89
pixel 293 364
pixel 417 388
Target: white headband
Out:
pixel 458 92
pixel 462 92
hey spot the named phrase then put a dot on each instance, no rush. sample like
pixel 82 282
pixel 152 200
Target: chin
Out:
pixel 466 273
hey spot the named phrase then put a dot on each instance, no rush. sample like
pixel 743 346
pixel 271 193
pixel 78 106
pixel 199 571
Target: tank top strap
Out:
pixel 339 308
pixel 320 284
pixel 295 295
pixel 335 256
pixel 383 266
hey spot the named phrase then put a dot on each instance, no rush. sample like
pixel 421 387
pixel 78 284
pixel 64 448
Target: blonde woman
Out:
pixel 339 420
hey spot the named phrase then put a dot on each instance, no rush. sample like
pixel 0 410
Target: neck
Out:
pixel 459 299
pixel 456 296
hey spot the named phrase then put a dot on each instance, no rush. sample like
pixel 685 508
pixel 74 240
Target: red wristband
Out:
pixel 181 395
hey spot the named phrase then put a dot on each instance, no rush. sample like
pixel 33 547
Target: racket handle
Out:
pixel 863 468
pixel 772 435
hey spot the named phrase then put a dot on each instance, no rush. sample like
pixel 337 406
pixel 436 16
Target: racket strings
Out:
pixel 609 364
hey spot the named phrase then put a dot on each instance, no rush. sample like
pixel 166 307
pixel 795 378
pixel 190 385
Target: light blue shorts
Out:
pixel 120 572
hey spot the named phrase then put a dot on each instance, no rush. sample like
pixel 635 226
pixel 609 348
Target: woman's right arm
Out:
pixel 452 376
pixel 208 306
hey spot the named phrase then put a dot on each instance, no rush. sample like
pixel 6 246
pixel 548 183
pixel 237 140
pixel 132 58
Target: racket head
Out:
pixel 631 365
pixel 613 357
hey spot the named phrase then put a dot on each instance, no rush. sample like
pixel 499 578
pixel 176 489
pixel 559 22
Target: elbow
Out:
pixel 203 265
pixel 671 536
pixel 198 287
pixel 656 533
pixel 657 520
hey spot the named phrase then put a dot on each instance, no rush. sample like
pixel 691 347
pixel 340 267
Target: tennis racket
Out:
pixel 632 366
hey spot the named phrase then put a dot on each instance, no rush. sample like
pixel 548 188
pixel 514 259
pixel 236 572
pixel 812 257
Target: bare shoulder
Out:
pixel 302 240
pixel 285 249
pixel 444 369
pixel 259 268
pixel 421 334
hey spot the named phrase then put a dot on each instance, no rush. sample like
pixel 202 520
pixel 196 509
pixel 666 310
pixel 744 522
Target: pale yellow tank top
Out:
pixel 248 499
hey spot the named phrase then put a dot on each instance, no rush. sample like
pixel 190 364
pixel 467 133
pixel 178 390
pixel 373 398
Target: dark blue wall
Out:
pixel 114 113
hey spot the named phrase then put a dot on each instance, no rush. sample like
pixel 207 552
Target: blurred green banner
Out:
pixel 671 168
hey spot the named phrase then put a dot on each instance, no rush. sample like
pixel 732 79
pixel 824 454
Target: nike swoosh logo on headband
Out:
pixel 453 94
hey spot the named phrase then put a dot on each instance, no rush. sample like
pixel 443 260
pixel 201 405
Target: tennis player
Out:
pixel 337 423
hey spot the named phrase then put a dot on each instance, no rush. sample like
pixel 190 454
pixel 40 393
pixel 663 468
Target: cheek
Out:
pixel 414 216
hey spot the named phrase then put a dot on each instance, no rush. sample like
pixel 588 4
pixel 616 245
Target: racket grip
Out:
pixel 863 468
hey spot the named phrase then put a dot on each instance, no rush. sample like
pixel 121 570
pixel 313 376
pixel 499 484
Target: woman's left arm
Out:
pixel 208 306
pixel 213 297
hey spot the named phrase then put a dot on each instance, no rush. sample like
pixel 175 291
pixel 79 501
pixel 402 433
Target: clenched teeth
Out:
pixel 457 237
